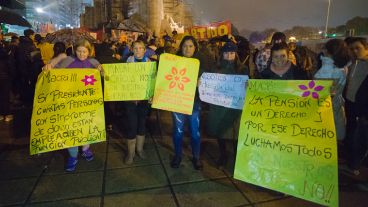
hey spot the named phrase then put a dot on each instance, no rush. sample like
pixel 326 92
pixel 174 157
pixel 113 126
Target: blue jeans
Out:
pixel 179 123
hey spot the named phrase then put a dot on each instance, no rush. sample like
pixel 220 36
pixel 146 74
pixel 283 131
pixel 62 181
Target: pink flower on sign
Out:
pixel 89 80
pixel 311 89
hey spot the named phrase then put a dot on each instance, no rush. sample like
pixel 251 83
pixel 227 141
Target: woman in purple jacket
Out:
pixel 82 59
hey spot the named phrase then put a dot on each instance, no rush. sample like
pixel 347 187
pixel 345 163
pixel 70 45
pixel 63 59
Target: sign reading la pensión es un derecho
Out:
pixel 287 139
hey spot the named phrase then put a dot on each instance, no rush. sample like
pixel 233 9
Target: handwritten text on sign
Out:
pixel 68 110
pixel 223 90
pixel 129 81
pixel 176 84
pixel 287 139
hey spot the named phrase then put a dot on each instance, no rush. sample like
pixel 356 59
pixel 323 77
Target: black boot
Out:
pixel 197 164
pixel 175 162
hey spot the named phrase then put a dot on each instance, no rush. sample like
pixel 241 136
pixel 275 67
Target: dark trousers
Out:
pixel 136 114
pixel 5 87
pixel 351 120
pixel 109 115
pixel 356 136
pixel 359 143
pixel 222 146
pixel 27 92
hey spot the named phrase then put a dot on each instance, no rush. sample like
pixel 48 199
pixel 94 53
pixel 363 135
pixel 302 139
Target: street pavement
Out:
pixel 40 180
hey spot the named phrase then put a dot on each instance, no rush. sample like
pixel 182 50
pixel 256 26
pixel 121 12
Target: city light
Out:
pixel 292 39
pixel 39 10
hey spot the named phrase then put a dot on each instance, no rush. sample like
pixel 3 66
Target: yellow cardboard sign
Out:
pixel 68 110
pixel 176 84
pixel 287 139
pixel 129 81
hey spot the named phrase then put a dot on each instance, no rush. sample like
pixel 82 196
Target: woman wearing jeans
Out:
pixel 188 48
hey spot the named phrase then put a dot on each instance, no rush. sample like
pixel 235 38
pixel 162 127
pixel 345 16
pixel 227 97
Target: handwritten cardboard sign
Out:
pixel 176 84
pixel 129 81
pixel 223 90
pixel 67 110
pixel 215 29
pixel 287 139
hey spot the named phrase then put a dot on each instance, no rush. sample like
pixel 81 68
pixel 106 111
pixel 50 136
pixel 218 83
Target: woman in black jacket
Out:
pixel 5 85
pixel 356 105
pixel 280 67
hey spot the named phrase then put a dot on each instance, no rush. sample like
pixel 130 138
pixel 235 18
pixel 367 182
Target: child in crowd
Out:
pixel 82 60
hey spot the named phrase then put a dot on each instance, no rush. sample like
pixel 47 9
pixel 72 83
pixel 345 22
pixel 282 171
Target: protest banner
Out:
pixel 67 111
pixel 223 90
pixel 129 81
pixel 176 84
pixel 206 32
pixel 287 139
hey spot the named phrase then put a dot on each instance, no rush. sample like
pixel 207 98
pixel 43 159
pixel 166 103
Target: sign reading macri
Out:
pixel 67 111
pixel 287 139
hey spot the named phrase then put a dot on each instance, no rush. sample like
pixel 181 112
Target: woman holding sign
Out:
pixel 82 60
pixel 137 111
pixel 220 119
pixel 188 48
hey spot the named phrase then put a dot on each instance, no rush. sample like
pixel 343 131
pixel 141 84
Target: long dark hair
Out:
pixel 186 38
pixel 239 67
pixel 339 51
pixel 59 47
pixel 278 36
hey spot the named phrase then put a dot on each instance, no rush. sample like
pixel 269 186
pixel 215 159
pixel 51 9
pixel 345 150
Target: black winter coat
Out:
pixel 361 99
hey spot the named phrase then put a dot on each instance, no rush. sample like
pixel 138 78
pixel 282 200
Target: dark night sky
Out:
pixel 279 14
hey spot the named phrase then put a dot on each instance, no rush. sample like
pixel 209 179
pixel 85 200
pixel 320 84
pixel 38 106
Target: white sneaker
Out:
pixel 2 118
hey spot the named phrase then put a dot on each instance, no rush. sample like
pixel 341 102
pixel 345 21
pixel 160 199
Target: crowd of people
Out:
pixel 343 61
